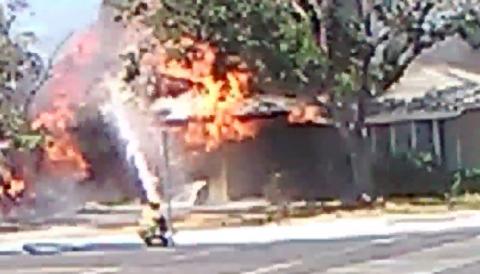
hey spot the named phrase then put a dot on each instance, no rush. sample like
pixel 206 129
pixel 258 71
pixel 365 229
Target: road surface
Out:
pixel 454 251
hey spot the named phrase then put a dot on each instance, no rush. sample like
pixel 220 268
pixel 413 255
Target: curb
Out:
pixel 110 247
pixel 432 219
pixel 59 248
pixel 423 220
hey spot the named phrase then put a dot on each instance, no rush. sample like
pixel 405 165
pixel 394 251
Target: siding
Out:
pixel 465 129
pixel 314 163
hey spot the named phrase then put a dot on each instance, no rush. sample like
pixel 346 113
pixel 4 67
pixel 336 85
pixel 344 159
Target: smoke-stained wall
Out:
pixel 313 163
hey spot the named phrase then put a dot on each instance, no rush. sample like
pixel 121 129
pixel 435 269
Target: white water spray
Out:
pixel 134 154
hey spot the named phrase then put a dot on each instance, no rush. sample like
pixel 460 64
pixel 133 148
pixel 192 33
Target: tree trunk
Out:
pixel 359 158
pixel 352 120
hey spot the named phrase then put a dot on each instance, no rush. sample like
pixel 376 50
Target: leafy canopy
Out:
pixel 20 71
pixel 364 48
pixel 270 36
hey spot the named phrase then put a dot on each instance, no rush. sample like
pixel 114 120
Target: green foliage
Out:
pixel 15 128
pixel 421 160
pixel 269 35
pixel 426 161
pixel 17 65
pixel 462 176
pixel 469 28
pixel 363 50
pixel 461 180
pixel 347 83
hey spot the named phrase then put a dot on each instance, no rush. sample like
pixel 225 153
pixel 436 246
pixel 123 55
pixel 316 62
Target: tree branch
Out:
pixel 423 25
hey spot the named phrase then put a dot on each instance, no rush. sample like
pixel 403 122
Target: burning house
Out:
pixel 119 127
pixel 431 111
pixel 218 130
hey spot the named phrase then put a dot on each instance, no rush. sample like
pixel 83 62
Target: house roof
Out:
pixel 438 68
pixel 460 93
pixel 455 92
pixel 182 107
pixel 420 79
pixel 443 83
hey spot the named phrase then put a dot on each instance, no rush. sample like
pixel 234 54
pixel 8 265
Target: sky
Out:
pixel 53 20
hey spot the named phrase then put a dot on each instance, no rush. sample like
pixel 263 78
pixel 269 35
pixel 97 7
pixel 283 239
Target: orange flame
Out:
pixel 61 150
pixel 11 187
pixel 60 146
pixel 303 114
pixel 218 96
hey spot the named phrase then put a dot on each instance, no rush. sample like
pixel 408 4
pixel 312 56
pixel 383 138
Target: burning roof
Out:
pixel 182 108
pixel 461 93
pixel 213 106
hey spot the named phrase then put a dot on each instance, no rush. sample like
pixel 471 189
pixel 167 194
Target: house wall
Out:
pixel 458 147
pixel 402 137
pixel 393 174
pixel 462 139
pixel 424 136
pixel 314 163
pixel 380 143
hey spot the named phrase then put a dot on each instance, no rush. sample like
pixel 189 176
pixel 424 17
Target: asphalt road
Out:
pixel 455 251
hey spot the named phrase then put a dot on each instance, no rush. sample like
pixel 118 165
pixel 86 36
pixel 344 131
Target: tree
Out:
pixel 350 51
pixel 21 74
pixel 383 40
pixel 270 36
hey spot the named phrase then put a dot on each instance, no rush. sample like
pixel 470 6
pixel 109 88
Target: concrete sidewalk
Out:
pixel 89 238
pixel 323 229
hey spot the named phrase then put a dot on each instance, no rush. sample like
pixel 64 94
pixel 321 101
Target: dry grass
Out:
pixel 332 210
pixel 467 201
pixel 325 211
pixel 433 205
